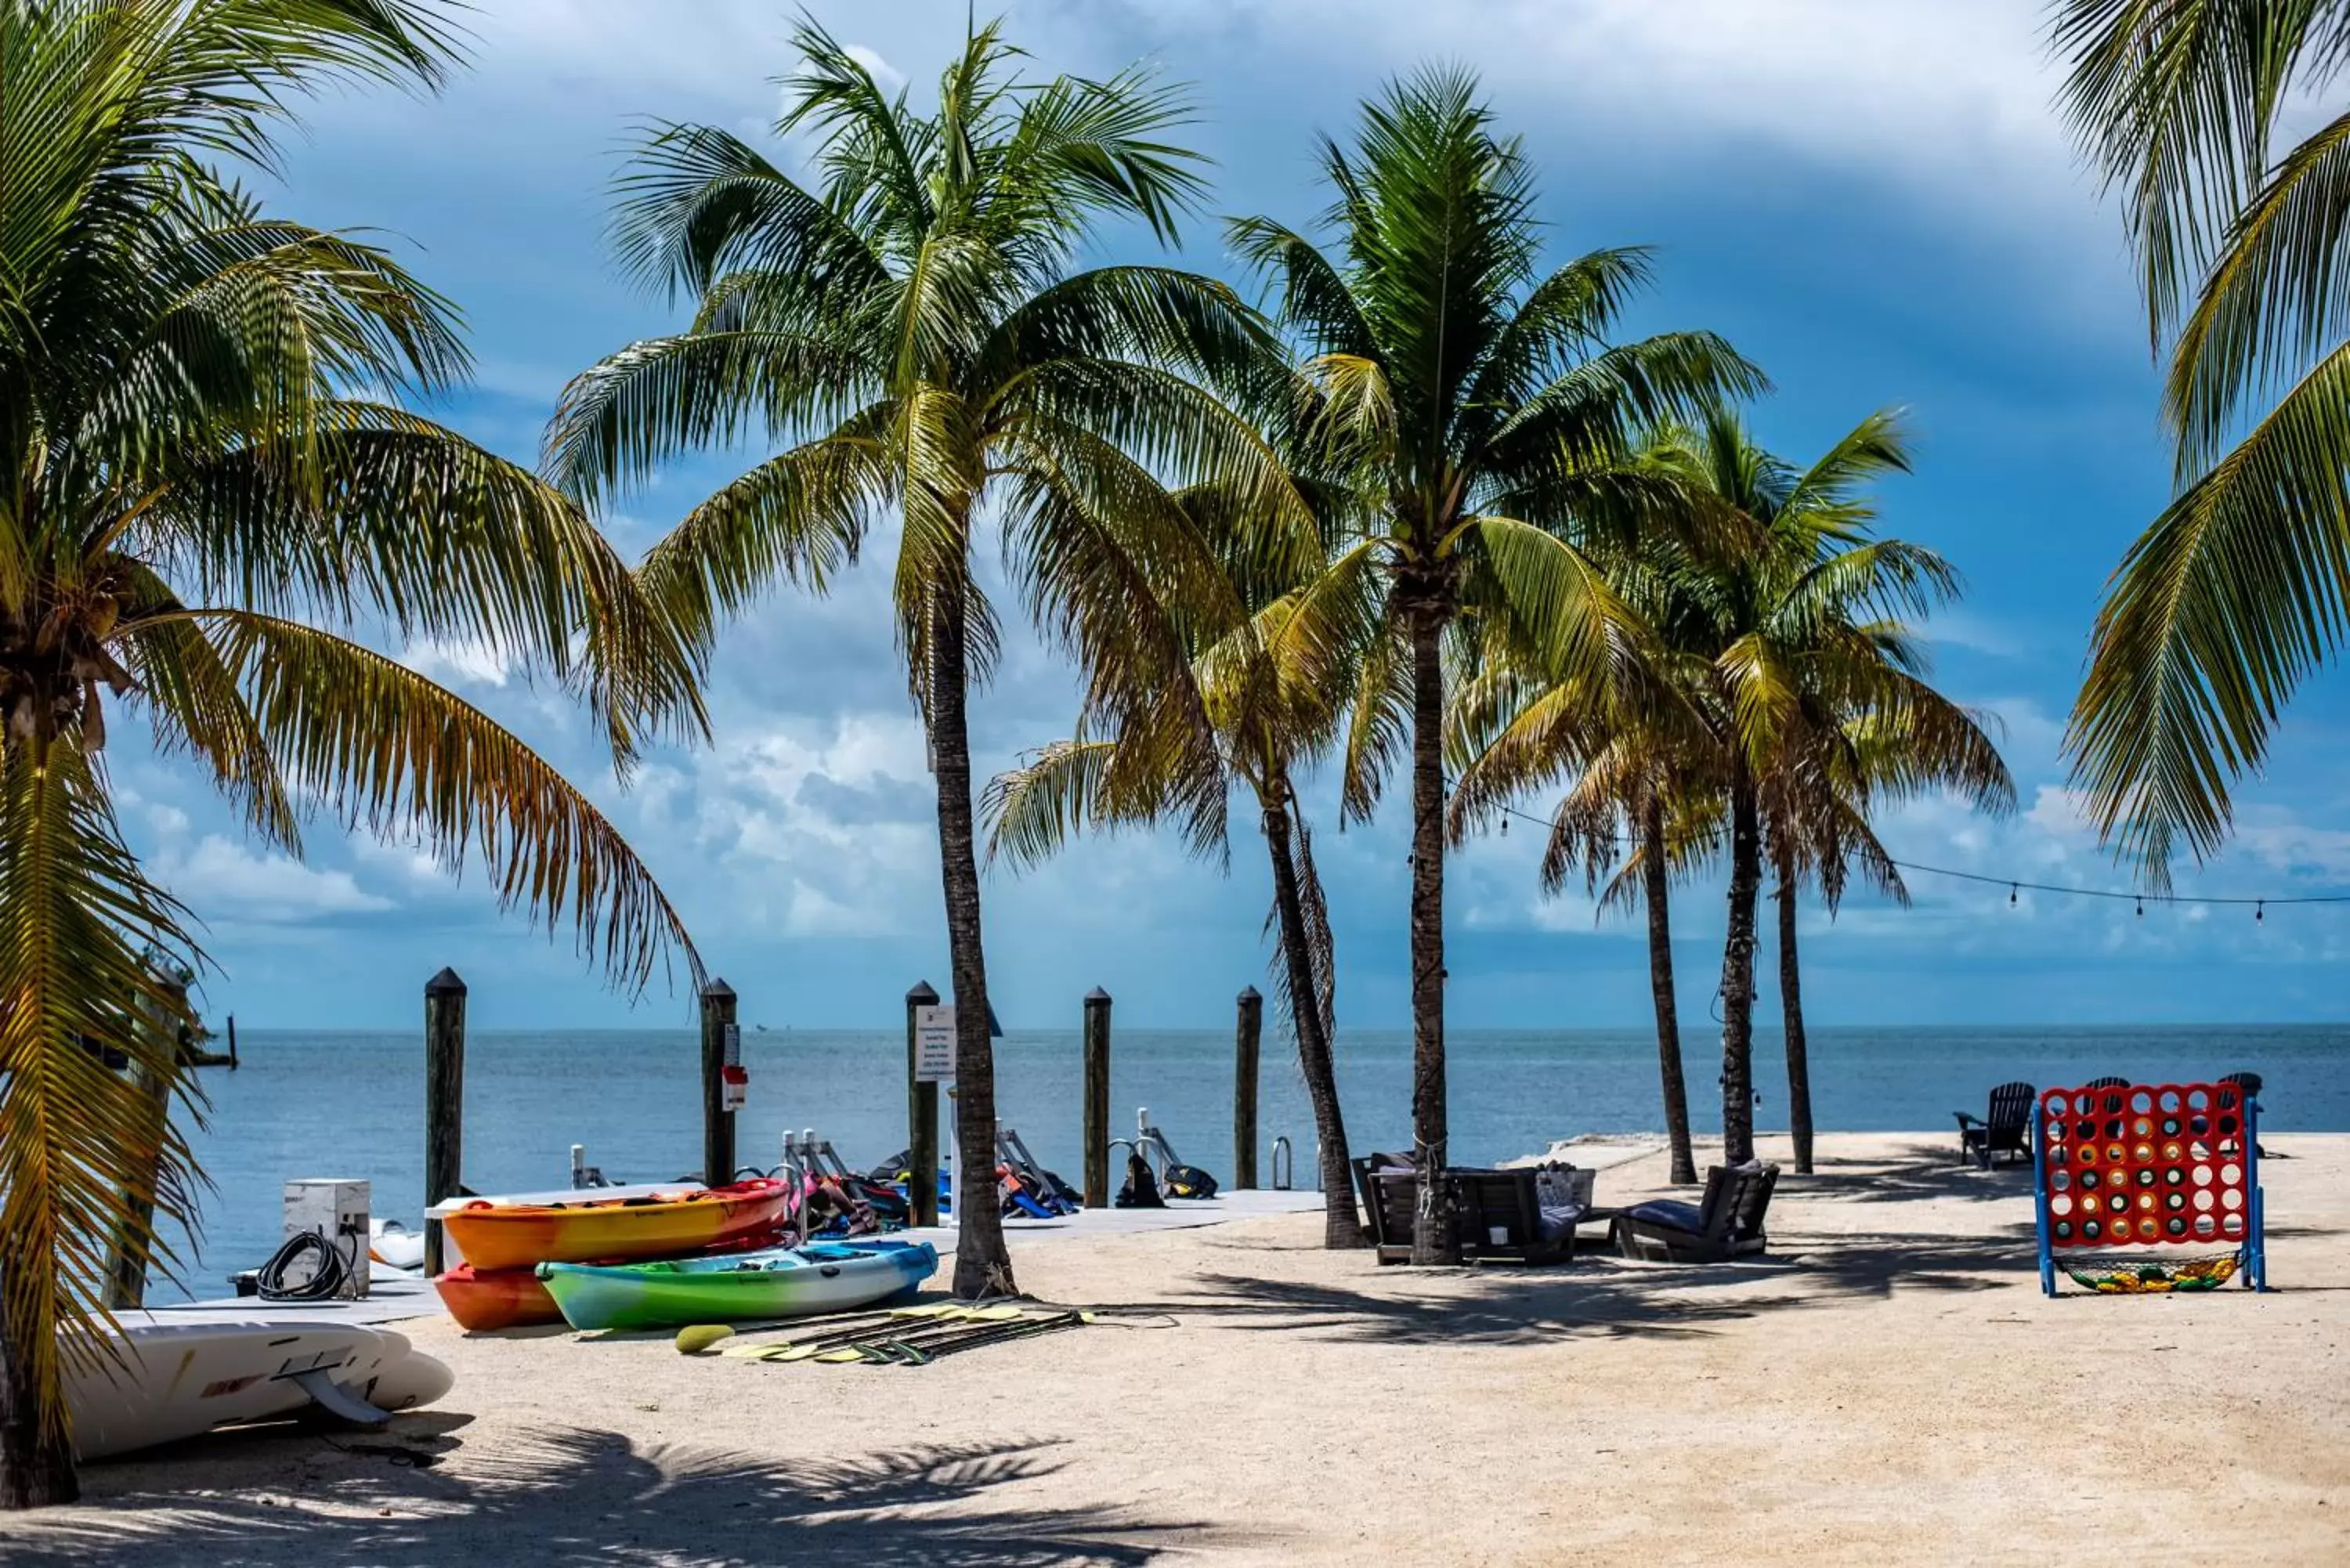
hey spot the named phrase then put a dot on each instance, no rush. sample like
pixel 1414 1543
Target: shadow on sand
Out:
pixel 582 1498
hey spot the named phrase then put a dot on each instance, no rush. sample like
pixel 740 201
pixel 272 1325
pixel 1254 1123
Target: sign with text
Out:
pixel 934 1044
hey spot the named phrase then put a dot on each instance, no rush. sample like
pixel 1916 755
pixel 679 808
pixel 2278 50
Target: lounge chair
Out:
pixel 1725 1224
pixel 1501 1218
pixel 1388 1185
pixel 2005 1127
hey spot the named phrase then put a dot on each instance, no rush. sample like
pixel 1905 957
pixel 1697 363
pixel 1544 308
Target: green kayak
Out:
pixel 783 1282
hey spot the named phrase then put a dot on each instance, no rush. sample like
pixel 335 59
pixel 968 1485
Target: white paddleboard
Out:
pixel 182 1379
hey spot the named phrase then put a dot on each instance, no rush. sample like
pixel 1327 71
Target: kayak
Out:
pixel 517 1235
pixel 784 1282
pixel 484 1300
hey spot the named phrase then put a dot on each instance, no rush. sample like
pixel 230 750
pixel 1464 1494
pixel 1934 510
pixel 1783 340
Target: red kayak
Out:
pixel 486 1299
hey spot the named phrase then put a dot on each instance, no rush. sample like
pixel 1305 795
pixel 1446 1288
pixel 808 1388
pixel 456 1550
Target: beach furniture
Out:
pixel 1389 1185
pixel 2107 1083
pixel 1501 1218
pixel 785 1281
pixel 2006 1126
pixel 1726 1223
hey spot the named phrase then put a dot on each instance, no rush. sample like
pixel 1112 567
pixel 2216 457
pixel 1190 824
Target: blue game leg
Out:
pixel 2040 1204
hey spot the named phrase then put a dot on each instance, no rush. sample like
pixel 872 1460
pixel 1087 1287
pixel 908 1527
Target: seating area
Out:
pixel 1531 1214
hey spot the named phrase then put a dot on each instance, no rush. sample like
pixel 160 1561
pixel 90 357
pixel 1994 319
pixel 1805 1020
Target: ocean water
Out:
pixel 352 1104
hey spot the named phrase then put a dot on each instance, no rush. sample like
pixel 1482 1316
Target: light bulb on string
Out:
pixel 2011 894
pixel 2260 911
pixel 2141 907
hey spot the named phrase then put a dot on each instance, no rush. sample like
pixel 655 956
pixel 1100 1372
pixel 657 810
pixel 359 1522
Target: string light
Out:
pixel 2138 901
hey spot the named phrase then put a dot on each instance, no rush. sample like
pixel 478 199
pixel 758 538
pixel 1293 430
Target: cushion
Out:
pixel 1557 1219
pixel 1670 1212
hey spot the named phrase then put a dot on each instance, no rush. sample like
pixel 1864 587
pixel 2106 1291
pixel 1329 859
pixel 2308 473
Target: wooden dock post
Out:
pixel 1097 1048
pixel 130 1248
pixel 718 1013
pixel 922 1121
pixel 1244 1054
pixel 445 1102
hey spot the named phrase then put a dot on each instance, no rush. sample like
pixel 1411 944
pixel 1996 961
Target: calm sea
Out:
pixel 351 1104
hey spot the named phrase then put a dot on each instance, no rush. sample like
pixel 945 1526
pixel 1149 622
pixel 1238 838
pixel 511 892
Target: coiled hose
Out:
pixel 334 1270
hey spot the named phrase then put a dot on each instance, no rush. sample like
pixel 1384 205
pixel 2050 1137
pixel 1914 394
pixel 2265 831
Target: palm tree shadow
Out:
pixel 597 1499
pixel 1604 1299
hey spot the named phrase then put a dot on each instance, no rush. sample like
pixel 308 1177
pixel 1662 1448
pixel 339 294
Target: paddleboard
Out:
pixel 181 1379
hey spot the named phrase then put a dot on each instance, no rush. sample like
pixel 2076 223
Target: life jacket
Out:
pixel 1141 1191
pixel 1188 1181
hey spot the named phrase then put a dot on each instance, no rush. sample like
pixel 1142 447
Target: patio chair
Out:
pixel 1727 1223
pixel 2250 1083
pixel 2005 1127
pixel 2107 1083
pixel 1501 1218
pixel 1388 1185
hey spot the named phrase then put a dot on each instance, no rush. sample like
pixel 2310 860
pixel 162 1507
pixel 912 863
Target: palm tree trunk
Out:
pixel 36 1469
pixel 1657 878
pixel 1738 967
pixel 983 1264
pixel 1341 1227
pixel 1791 999
pixel 1432 1237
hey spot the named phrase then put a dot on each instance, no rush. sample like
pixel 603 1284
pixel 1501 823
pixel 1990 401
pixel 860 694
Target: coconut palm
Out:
pixel 2236 592
pixel 1637 773
pixel 208 497
pixel 1818 831
pixel 1482 401
pixel 909 336
pixel 1792 618
pixel 1272 665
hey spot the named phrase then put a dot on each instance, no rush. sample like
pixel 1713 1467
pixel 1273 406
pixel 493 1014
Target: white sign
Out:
pixel 934 1044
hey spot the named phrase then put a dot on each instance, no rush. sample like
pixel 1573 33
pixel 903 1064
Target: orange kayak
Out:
pixel 486 1299
pixel 523 1235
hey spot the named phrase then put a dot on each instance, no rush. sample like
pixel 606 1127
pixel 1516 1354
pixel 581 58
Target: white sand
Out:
pixel 1894 1390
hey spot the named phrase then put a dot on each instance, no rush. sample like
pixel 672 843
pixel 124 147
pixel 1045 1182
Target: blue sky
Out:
pixel 1874 201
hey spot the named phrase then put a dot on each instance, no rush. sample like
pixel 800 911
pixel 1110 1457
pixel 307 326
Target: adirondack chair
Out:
pixel 2004 1128
pixel 2106 1084
pixel 1726 1223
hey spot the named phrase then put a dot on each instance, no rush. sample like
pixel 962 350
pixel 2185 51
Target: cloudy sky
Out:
pixel 1874 201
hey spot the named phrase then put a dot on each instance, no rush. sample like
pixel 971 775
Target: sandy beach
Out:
pixel 1890 1387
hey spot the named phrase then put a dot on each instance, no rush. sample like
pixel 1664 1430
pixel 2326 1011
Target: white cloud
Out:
pixel 217 873
pixel 460 663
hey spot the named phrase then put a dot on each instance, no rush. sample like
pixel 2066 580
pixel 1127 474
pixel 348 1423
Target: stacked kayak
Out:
pixel 485 1299
pixel 784 1282
pixel 502 1242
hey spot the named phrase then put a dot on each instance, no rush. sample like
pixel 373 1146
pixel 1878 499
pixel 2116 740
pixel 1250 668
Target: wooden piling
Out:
pixel 445 1102
pixel 231 1042
pixel 922 1121
pixel 130 1247
pixel 1096 1051
pixel 718 1014
pixel 1244 1054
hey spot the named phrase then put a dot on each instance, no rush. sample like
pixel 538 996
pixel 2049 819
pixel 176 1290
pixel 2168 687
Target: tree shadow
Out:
pixel 588 1498
pixel 1605 1298
pixel 1919 1172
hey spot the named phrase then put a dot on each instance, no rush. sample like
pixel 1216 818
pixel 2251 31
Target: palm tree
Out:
pixel 205 491
pixel 1788 615
pixel 909 336
pixel 1637 768
pixel 1818 831
pixel 2235 592
pixel 1482 402
pixel 1272 665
